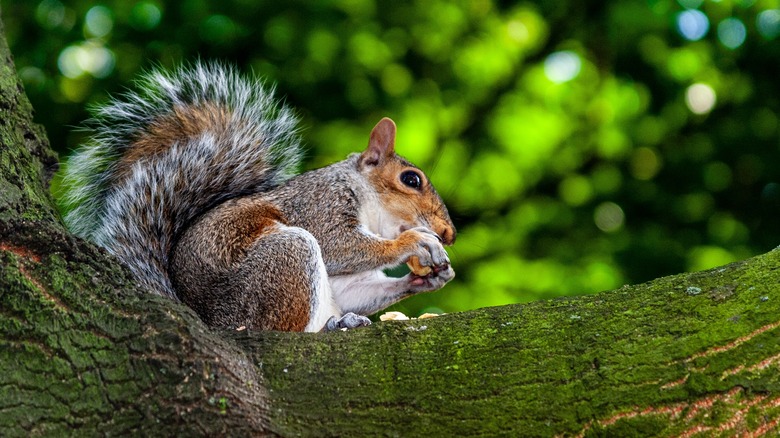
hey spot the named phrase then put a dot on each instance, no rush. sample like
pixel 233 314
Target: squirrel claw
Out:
pixel 347 321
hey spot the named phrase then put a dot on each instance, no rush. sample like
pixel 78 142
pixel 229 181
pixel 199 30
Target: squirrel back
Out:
pixel 158 157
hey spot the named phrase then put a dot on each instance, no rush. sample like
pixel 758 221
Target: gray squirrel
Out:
pixel 189 182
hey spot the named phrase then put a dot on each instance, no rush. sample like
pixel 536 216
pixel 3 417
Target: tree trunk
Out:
pixel 83 352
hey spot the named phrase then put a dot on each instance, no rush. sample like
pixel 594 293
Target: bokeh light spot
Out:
pixel 717 176
pixel 575 190
pixel 370 51
pixel 562 66
pixel 707 257
pixel 98 22
pixel 722 227
pixel 323 46
pixel 68 62
pixel 89 57
pixel 692 24
pixel 694 207
pixel 700 98
pixel 685 63
pixel 145 16
pixel 33 77
pixel 732 32
pixel 764 123
pixel 361 93
pixel 50 14
pixel 771 192
pixel 75 90
pixel 396 80
pixel 500 180
pixel 518 31
pixel 609 217
pixel 219 30
pixel 768 23
pixel 645 164
pixel 607 179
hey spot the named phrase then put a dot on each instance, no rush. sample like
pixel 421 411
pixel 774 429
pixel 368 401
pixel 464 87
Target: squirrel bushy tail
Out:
pixel 181 143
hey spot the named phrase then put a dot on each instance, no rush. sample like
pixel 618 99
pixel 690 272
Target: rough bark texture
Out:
pixel 83 352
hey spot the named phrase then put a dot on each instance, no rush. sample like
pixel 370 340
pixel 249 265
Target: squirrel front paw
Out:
pixel 436 279
pixel 347 321
pixel 428 249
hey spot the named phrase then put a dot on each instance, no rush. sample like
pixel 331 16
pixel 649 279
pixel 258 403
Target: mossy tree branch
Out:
pixel 81 350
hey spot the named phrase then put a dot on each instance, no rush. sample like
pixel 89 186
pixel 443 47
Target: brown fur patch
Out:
pixel 182 123
pixel 283 300
pixel 295 307
pixel 240 223
pixel 238 265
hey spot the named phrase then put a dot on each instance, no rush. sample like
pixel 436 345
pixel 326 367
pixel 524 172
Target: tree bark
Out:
pixel 82 351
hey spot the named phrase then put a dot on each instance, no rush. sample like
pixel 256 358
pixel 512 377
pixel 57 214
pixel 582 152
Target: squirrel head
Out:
pixel 403 190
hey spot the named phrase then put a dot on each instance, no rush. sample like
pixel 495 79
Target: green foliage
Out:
pixel 579 145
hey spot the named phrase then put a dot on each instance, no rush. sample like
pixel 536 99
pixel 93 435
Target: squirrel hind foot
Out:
pixel 347 321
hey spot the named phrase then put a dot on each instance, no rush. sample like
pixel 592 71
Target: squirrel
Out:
pixel 190 181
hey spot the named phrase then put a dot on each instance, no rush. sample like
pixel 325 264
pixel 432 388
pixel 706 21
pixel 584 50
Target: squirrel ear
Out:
pixel 381 144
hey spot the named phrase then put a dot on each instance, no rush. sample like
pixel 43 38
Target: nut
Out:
pixel 417 269
pixel 393 316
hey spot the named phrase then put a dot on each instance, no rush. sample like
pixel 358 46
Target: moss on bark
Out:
pixel 688 352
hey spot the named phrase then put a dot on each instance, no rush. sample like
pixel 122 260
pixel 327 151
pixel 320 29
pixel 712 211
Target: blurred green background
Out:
pixel 580 145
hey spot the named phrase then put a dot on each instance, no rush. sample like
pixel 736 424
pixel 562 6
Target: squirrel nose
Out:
pixel 447 235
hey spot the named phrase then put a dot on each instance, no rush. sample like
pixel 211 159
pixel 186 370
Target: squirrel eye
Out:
pixel 411 179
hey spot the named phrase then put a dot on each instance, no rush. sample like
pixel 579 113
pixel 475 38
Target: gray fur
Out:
pixel 138 220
